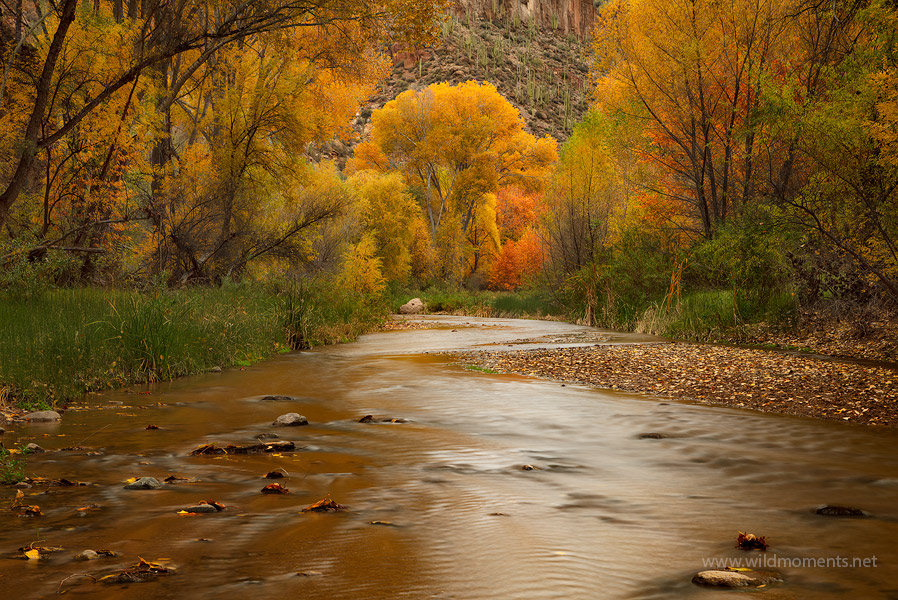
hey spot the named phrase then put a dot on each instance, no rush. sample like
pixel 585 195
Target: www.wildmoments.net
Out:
pixel 779 562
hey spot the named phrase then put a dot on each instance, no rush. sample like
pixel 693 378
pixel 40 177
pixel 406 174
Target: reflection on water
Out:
pixel 606 514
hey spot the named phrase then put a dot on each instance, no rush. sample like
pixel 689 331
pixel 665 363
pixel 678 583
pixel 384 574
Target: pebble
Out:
pixel 33 448
pixel 290 420
pixel 87 555
pixel 201 508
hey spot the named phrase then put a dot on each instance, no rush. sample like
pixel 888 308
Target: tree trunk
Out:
pixel 42 96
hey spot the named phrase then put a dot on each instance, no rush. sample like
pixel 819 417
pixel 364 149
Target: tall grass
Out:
pixel 62 343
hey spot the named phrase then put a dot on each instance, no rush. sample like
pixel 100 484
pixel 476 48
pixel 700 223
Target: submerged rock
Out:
pixel 832 510
pixel 201 508
pixel 726 578
pixel 412 307
pixel 144 483
pixel 654 435
pixel 290 420
pixel 87 555
pixel 278 398
pixel 43 416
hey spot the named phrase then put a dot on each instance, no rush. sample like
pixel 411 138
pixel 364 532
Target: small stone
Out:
pixel 43 416
pixel 267 436
pixel 290 420
pixel 22 485
pixel 736 579
pixel 144 483
pixel 87 555
pixel 832 510
pixel 530 468
pixel 277 398
pixel 309 574
pixel 201 508
pixel 33 448
pixel 215 370
pixel 653 436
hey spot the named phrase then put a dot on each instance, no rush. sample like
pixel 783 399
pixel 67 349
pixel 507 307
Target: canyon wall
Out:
pixel 568 16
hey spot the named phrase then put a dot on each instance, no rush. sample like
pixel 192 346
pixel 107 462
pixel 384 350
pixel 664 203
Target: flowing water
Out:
pixel 607 514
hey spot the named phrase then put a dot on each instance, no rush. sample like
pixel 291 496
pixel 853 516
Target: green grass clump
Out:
pixel 12 468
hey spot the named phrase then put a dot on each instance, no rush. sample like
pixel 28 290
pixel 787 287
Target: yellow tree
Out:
pixel 391 217
pixel 167 42
pixel 457 145
pixel 243 129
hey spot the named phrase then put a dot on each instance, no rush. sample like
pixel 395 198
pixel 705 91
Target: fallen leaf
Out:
pixel 275 488
pixel 326 504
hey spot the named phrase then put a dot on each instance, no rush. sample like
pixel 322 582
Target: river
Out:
pixel 605 513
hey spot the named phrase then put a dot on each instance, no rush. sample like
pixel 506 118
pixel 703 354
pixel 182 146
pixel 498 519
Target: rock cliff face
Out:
pixel 567 16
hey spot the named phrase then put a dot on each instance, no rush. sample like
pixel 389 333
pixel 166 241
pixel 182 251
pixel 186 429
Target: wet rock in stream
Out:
pixel 373 419
pixel 33 448
pixel 43 416
pixel 260 448
pixel 653 435
pixel 833 510
pixel 144 483
pixel 727 578
pixel 290 420
pixel 279 398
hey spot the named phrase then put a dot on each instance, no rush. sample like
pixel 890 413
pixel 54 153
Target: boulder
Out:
pixel 33 448
pixel 144 483
pixel 290 420
pixel 412 307
pixel 726 578
pixel 45 416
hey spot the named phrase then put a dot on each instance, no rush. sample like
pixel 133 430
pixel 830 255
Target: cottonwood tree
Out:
pixel 167 43
pixel 459 145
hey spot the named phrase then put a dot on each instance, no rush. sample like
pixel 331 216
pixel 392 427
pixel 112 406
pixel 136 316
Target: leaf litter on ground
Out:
pixel 763 380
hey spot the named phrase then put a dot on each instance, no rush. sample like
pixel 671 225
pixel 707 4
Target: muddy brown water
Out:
pixel 606 515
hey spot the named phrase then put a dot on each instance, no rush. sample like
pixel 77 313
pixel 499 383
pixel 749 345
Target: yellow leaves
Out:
pixel 361 271
pixel 32 554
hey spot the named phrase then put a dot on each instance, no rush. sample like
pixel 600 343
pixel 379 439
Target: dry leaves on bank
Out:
pixel 748 378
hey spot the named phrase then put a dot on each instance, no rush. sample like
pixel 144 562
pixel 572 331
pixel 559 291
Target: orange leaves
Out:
pixel 516 262
pixel 749 541
pixel 275 488
pixel 326 504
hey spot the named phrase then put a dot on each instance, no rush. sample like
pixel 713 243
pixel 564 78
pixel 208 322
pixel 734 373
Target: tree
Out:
pixel 171 41
pixel 708 81
pixel 390 215
pixel 458 145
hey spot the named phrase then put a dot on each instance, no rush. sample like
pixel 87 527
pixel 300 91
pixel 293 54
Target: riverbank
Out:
pixel 65 342
pixel 757 379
